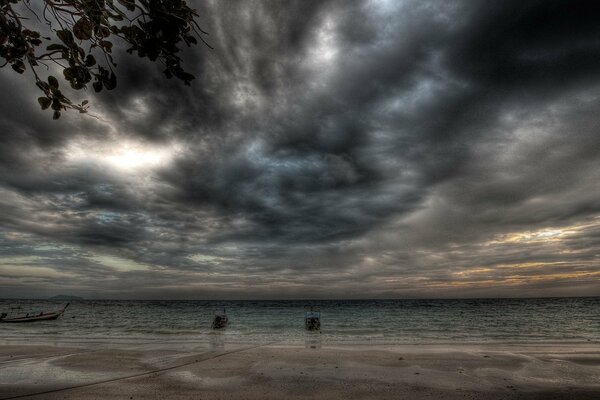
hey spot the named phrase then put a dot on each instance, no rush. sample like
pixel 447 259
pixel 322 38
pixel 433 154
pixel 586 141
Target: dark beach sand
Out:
pixel 214 370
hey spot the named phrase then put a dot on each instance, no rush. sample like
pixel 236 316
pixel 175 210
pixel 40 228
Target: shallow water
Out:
pixel 343 321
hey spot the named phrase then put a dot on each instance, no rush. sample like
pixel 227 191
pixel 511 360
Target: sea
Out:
pixel 381 322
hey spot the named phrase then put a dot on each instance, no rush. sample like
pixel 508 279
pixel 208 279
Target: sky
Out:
pixel 368 149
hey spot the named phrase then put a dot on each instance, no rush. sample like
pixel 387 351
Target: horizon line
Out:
pixel 79 298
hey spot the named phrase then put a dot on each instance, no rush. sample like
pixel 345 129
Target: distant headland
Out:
pixel 63 297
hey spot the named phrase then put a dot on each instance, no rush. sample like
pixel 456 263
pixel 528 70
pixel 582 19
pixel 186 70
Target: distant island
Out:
pixel 63 297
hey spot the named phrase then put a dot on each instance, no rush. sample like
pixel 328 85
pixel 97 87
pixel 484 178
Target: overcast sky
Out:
pixel 372 149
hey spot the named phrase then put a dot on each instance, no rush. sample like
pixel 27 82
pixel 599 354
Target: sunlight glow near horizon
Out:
pixel 540 236
pixel 550 234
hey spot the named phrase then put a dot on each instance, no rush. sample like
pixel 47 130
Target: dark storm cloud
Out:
pixel 389 148
pixel 529 43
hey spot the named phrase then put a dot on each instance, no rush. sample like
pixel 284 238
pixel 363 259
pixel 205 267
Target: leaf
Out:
pixel 90 61
pixel 53 82
pixel 68 73
pixel 103 31
pixel 111 82
pixel 56 104
pixel 31 34
pixel 106 45
pixel 44 102
pixel 56 115
pixel 56 46
pixel 97 85
pixel 83 29
pixel 66 36
pixel 18 66
pixel 83 103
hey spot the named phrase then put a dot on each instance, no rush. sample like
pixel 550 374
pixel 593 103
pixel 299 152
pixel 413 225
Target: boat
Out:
pixel 32 317
pixel 312 320
pixel 220 320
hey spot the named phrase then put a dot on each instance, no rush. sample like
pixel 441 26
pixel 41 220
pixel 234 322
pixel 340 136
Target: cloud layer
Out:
pixel 326 149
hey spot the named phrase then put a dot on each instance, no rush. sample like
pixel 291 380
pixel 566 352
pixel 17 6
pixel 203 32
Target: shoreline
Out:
pixel 296 341
pixel 225 370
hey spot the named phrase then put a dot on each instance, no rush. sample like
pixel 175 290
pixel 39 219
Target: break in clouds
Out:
pixel 325 149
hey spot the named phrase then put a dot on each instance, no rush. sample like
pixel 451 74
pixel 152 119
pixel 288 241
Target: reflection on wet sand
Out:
pixel 313 341
pixel 216 340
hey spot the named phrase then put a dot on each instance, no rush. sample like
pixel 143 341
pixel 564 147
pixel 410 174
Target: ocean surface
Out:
pixel 545 320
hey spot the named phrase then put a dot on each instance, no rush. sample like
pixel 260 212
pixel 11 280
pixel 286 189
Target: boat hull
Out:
pixel 312 324
pixel 220 322
pixel 33 318
pixel 46 317
pixel 312 320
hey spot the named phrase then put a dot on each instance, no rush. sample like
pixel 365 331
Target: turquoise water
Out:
pixel 356 321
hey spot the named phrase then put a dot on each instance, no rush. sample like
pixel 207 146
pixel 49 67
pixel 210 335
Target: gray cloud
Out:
pixel 327 149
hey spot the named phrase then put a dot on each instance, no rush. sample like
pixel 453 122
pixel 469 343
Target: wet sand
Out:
pixel 215 370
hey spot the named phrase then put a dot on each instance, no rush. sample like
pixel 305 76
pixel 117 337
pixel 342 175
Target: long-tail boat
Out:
pixel 312 320
pixel 220 320
pixel 32 317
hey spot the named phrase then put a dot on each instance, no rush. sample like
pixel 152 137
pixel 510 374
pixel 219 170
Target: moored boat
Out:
pixel 220 320
pixel 312 320
pixel 32 317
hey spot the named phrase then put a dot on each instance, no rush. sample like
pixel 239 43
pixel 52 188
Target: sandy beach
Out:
pixel 216 370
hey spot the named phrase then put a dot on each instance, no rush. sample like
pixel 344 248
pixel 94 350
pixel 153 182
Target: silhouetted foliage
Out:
pixel 79 41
